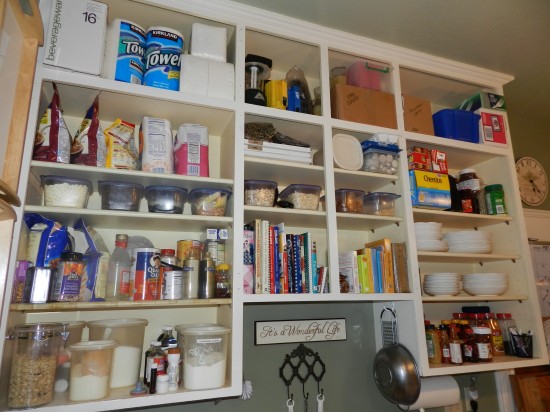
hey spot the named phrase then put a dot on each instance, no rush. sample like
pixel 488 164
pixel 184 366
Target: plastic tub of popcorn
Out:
pixel 380 203
pixel 208 202
pixel 260 193
pixel 302 196
pixel 66 191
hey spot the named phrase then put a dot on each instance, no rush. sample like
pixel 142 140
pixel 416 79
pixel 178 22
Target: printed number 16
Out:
pixel 90 17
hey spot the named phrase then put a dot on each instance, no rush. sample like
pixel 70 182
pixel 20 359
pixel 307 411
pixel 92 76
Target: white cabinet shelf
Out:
pixel 315 50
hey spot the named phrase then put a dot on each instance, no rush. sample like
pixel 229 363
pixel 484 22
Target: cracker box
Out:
pixel 430 190
pixel 439 161
pixel 419 158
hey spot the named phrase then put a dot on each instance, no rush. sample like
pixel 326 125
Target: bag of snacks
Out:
pixel 121 149
pixel 88 146
pixel 47 239
pixel 52 142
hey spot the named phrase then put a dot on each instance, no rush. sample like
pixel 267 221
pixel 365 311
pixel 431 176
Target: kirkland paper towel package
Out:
pixel 75 34
pixel 124 52
pixel 163 48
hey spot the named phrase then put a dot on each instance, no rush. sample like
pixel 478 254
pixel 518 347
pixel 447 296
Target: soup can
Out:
pixel 186 248
pixel 172 284
pixel 144 274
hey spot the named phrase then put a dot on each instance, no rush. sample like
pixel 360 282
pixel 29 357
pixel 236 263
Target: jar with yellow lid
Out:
pixel 223 281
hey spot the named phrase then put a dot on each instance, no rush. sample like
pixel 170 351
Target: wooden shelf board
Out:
pixel 328 297
pixel 463 257
pixel 481 298
pixel 458 219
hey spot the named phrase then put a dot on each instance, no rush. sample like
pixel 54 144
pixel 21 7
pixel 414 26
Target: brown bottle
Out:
pixel 469 188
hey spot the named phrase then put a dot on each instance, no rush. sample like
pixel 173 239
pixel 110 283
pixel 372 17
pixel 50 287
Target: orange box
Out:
pixel 418 115
pixel 419 158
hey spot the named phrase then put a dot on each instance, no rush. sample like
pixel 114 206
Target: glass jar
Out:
pixel 223 281
pixel 494 199
pixel 433 342
pixel 482 348
pixel 444 330
pixel 497 342
pixel 35 348
pixel 468 345
pixel 468 188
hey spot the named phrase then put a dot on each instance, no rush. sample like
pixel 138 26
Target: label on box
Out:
pixel 439 161
pixel 419 158
pixel 493 127
pixel 75 35
pixel 430 190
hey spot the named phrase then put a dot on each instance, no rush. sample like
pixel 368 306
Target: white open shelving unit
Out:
pixel 315 50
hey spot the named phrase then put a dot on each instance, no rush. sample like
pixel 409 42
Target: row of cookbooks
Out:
pixel 276 262
pixel 379 267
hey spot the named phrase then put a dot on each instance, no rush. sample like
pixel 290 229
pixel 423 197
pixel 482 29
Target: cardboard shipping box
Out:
pixel 356 104
pixel 418 115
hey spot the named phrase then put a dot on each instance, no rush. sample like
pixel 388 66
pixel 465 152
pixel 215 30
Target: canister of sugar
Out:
pixel 191 150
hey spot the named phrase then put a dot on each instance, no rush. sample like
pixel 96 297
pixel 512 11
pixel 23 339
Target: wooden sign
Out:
pixel 306 330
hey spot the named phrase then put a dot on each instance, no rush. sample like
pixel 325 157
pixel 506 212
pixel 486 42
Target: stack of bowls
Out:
pixel 442 284
pixel 429 237
pixel 469 241
pixel 485 284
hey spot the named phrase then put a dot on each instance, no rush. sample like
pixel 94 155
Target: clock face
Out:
pixel 533 182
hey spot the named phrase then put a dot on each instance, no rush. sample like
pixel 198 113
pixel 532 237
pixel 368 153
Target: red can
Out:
pixel 144 275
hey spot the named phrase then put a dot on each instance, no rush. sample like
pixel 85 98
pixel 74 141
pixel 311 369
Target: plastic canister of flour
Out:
pixel 163 48
pixel 191 150
pixel 124 52
pixel 155 136
pixel 144 274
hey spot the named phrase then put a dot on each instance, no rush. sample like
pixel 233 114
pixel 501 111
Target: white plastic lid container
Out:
pixel 205 357
pixel 91 366
pixel 347 152
pixel 66 191
pixel 127 357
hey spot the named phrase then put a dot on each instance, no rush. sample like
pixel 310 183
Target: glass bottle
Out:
pixel 434 344
pixel 156 360
pixel 455 346
pixel 445 347
pixel 497 342
pixel 147 354
pixel 118 274
pixel 482 348
pixel 223 281
pixel 469 188
pixel 468 345
pixel 317 106
pixel 167 339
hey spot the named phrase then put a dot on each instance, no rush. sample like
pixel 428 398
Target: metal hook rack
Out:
pixel 302 363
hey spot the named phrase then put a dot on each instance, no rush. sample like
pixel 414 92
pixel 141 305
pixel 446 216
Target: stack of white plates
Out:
pixel 487 284
pixel 444 283
pixel 469 241
pixel 428 237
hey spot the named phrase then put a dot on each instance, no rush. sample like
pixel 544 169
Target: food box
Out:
pixel 430 190
pixel 457 124
pixel 439 161
pixel 302 196
pixel 419 158
pixel 484 100
pixel 493 127
pixel 360 105
pixel 209 202
pixel 418 115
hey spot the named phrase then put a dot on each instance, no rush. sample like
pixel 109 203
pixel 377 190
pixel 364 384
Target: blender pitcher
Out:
pixel 257 71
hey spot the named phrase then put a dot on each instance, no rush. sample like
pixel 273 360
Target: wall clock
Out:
pixel 533 182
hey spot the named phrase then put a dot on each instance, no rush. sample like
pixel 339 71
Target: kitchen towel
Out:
pixel 436 392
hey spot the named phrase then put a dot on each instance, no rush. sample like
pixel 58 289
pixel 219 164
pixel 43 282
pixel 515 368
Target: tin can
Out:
pixel 216 248
pixel 144 274
pixel 172 285
pixel 190 278
pixel 187 248
pixel 207 278
pixel 167 257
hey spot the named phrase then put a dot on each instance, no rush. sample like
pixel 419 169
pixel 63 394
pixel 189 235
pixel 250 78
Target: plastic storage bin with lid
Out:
pixel 72 333
pixel 457 124
pixel 127 357
pixel 349 200
pixel 205 357
pixel 165 199
pixel 368 75
pixel 66 191
pixel 380 158
pixel 209 202
pixel 120 195
pixel 380 203
pixel 302 196
pixel 260 193
pixel 91 367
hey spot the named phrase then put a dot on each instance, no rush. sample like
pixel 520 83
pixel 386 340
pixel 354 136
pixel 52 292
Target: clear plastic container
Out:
pixel 35 350
pixel 181 340
pixel 380 161
pixel 205 357
pixel 91 366
pixel 349 200
pixel 72 333
pixel 260 193
pixel 120 195
pixel 66 191
pixel 302 196
pixel 209 202
pixel 127 357
pixel 165 199
pixel 380 203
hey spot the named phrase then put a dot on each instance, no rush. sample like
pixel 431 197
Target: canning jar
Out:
pixel 35 348
pixel 482 348
pixel 223 281
pixel 468 188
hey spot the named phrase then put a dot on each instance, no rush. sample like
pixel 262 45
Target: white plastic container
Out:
pixel 127 357
pixel 205 357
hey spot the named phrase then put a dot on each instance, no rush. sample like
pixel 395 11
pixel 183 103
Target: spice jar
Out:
pixel 468 188
pixel 223 281
pixel 494 199
pixel 35 348
pixel 497 343
pixel 482 348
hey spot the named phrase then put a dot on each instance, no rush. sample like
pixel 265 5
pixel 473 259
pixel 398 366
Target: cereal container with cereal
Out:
pixel 35 348
pixel 302 196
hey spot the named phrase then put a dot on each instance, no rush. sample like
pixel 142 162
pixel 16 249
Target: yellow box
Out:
pixel 430 190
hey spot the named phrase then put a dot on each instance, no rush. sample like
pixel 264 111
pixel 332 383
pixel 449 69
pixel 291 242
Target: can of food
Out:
pixel 167 257
pixel 144 274
pixel 172 284
pixel 190 278
pixel 216 248
pixel 187 248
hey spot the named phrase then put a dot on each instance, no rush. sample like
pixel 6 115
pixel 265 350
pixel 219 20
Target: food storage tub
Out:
pixel 380 203
pixel 380 161
pixel 260 193
pixel 181 339
pixel 205 357
pixel 302 196
pixel 72 333
pixel 66 191
pixel 127 356
pixel 165 199
pixel 349 200
pixel 209 202
pixel 91 366
pixel 457 124
pixel 120 195
pixel 34 352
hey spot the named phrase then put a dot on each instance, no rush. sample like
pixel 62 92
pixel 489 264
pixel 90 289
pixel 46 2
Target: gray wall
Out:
pixel 348 383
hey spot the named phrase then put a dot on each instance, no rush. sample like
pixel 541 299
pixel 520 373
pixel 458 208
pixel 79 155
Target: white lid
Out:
pixel 481 331
pixel 162 378
pixel 94 344
pixel 347 152
pixel 113 323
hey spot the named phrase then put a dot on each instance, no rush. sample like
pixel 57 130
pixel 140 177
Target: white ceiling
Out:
pixel 509 36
